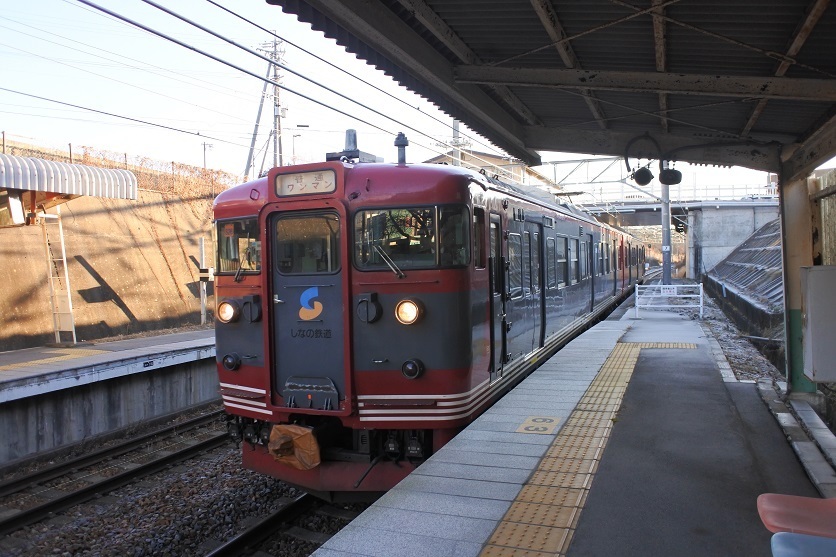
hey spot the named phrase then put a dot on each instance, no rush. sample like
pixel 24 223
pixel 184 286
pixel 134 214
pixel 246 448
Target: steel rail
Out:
pixel 264 528
pixel 18 484
pixel 40 512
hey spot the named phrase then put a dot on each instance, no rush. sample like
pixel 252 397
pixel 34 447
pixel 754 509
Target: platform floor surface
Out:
pixel 59 358
pixel 655 453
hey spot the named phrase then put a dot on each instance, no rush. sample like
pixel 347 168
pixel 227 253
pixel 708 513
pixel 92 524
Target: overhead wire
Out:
pixel 344 71
pixel 164 72
pixel 276 63
pixel 120 116
pixel 260 78
pixel 109 78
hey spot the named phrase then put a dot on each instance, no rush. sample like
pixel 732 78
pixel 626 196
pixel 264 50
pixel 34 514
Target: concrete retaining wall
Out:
pixel 59 419
pixel 714 233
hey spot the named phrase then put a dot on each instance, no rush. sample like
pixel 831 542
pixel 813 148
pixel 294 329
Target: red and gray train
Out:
pixel 367 312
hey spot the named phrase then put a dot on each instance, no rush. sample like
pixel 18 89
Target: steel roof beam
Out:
pixel 435 25
pixel 802 34
pixel 551 23
pixel 804 158
pixel 661 58
pixel 823 90
pixel 695 150
pixel 390 36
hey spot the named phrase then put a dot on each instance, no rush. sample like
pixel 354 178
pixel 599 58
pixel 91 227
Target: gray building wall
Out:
pixel 715 230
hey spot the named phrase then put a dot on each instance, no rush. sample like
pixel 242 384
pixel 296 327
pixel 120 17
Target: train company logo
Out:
pixel 309 312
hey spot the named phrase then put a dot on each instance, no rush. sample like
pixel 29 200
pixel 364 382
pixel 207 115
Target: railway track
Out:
pixel 31 498
pixel 292 520
pixel 257 533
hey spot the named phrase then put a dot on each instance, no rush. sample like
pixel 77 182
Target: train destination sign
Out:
pixel 306 183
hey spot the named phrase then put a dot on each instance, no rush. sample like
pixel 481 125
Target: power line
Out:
pixel 198 134
pixel 211 84
pixel 275 64
pixel 336 67
pixel 247 72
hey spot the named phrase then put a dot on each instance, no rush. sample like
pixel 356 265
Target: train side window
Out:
pixel 583 259
pixel 535 264
pixel 562 261
pixel 479 237
pixel 515 281
pixel 496 258
pixel 574 269
pixel 453 231
pixel 600 247
pixel 239 246
pixel 526 262
pixel 551 268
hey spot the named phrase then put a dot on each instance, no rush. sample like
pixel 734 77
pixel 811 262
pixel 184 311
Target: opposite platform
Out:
pixel 586 456
pixel 35 371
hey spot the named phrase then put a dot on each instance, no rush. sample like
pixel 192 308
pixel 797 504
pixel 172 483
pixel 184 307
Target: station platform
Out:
pixel 34 371
pixel 54 397
pixel 633 440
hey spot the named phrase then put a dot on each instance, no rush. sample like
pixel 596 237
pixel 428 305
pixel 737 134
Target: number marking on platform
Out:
pixel 544 425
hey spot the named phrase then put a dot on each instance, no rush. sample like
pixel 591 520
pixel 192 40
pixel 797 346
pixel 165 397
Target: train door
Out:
pixel 629 262
pixel 497 284
pixel 308 309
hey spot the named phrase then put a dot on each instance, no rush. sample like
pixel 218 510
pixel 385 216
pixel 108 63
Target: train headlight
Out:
pixel 228 311
pixel 409 312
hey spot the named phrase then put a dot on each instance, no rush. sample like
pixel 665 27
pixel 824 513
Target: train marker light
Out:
pixel 228 311
pixel 412 369
pixel 408 312
pixel 231 361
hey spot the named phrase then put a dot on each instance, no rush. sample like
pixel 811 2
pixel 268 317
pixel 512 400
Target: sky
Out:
pixel 164 101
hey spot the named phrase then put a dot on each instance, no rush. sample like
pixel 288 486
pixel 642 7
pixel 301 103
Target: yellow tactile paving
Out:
pixel 543 518
pixel 63 354
pixel 530 537
pixel 542 515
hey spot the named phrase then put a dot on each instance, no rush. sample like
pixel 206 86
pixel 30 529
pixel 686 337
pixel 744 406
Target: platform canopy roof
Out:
pixel 65 179
pixel 732 82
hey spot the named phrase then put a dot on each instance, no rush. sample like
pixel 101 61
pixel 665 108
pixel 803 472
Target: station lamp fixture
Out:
pixel 642 175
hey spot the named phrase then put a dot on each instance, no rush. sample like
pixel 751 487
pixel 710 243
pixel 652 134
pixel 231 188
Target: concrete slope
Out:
pixel 132 264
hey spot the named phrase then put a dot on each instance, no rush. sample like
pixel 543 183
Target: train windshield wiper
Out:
pixel 388 260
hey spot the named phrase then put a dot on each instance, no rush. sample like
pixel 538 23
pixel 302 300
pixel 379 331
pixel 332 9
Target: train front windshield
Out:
pixel 411 238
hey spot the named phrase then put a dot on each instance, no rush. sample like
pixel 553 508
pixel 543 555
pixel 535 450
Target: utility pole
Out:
pixel 666 229
pixel 206 146
pixel 275 53
pixel 457 154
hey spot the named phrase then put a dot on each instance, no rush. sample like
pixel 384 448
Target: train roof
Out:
pixel 253 194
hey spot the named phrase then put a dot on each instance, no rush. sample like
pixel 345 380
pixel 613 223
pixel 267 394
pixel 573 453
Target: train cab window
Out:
pixel 551 267
pixel 562 261
pixel 515 260
pixel 479 259
pixel 412 238
pixel 308 244
pixel 239 246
